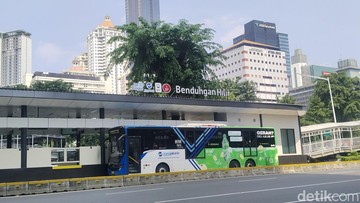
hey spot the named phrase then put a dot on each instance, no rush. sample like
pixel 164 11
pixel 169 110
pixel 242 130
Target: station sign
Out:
pixel 149 87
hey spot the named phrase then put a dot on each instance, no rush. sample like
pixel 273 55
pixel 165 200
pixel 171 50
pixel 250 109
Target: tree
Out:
pixel 237 91
pixel 161 52
pixel 317 113
pixel 346 97
pixel 247 91
pixel 286 99
pixel 18 87
pixel 54 86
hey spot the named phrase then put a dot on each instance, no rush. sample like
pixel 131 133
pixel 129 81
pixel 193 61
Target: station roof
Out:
pixel 326 126
pixel 10 97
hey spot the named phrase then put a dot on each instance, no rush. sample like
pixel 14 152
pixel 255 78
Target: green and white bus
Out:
pixel 152 149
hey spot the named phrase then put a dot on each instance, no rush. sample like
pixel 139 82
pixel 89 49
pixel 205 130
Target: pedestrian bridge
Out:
pixel 330 138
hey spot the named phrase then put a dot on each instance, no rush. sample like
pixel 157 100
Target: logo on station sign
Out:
pixel 166 88
pixel 149 85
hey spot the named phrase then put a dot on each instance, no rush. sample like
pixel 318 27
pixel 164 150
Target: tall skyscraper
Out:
pixel 284 46
pixel 298 62
pixel 265 33
pixel 15 58
pixel 98 50
pixel 148 9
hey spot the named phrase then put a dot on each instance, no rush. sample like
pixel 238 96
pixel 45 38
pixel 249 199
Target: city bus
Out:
pixel 154 149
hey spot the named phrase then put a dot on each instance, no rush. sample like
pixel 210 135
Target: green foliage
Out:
pixel 162 52
pixel 17 87
pixel 286 99
pixel 346 97
pixel 54 86
pixel 89 140
pixel 352 156
pixel 238 91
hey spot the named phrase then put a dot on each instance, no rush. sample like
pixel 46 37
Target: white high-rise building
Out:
pixel 263 64
pixel 98 50
pixel 148 9
pixel 15 58
pixel 81 62
pixel 298 63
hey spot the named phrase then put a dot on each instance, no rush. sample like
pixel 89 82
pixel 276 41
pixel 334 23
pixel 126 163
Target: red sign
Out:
pixel 166 88
pixel 326 73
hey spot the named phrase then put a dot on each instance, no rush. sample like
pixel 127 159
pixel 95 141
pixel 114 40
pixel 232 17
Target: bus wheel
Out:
pixel 234 164
pixel 162 168
pixel 250 163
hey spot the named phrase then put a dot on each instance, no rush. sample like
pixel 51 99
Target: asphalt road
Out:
pixel 331 186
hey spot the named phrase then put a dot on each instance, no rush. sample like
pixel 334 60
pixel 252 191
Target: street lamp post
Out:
pixel 331 98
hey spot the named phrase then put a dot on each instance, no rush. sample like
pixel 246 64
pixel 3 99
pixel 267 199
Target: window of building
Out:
pixel 288 141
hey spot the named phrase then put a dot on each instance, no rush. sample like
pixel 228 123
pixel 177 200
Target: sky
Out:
pixel 326 30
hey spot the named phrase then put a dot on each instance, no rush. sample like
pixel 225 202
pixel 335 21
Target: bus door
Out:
pixel 250 143
pixel 134 154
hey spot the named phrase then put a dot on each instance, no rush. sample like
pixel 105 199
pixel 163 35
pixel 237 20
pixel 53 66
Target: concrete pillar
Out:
pixel 163 114
pixel 102 136
pixel 135 115
pixel 9 140
pixel 23 140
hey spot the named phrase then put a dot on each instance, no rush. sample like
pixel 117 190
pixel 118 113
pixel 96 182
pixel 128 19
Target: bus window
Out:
pixel 235 138
pixel 189 135
pixel 266 137
pixel 216 140
pixel 165 139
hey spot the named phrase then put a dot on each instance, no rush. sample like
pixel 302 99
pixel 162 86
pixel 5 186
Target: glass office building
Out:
pixel 265 33
pixel 148 9
pixel 284 46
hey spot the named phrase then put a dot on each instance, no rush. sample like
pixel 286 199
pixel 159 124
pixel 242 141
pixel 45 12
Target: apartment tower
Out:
pixel 15 58
pixel 98 54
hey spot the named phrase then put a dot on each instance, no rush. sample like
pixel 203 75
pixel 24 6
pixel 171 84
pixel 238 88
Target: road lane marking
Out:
pixel 133 191
pixel 255 191
pixel 256 179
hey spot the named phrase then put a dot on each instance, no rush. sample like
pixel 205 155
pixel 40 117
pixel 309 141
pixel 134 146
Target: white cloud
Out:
pixel 50 53
pixel 226 39
pixel 226 27
pixel 51 57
